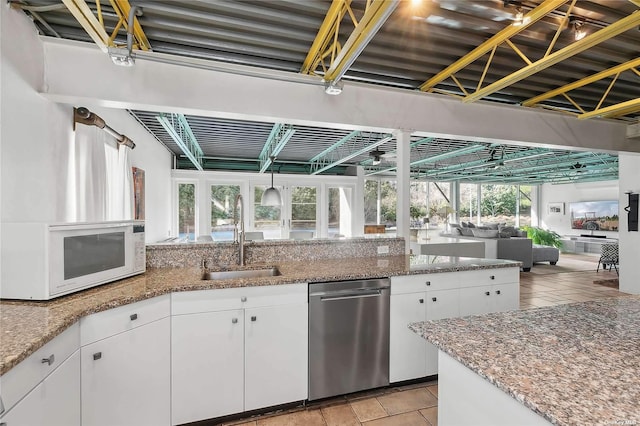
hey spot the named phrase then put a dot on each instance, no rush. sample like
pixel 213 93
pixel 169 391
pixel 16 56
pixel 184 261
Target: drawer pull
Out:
pixel 428 283
pixel 133 317
pixel 421 300
pixel 254 318
pixel 497 291
pixel 243 299
pixel 97 356
pixel 49 360
pixel 493 277
pixel 487 293
pixel 234 320
pixel 434 299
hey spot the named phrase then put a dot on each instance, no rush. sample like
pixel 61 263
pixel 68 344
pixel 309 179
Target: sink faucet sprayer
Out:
pixel 238 237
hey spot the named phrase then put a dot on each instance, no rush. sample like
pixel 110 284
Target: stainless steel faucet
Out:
pixel 238 237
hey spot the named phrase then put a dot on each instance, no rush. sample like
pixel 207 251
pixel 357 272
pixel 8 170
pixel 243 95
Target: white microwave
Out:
pixel 41 262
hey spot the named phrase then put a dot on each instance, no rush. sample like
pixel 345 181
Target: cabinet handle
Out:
pixel 434 299
pixel 97 356
pixel 243 299
pixel 254 318
pixel 497 291
pixel 487 293
pixel 49 360
pixel 493 277
pixel 428 283
pixel 421 300
pixel 234 320
pixel 133 317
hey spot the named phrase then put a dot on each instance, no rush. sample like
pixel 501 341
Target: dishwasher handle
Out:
pixel 351 295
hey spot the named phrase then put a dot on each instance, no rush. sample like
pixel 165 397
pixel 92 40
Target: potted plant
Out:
pixel 543 237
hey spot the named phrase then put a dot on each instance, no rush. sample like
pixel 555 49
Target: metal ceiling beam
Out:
pixel 589 41
pixel 583 82
pixel 326 32
pixel 178 128
pixel 533 16
pixel 374 17
pixel 327 158
pixel 85 17
pixel 278 138
pixel 622 108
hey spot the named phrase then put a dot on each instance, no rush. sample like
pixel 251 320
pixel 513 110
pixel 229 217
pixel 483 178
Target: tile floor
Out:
pixel 417 404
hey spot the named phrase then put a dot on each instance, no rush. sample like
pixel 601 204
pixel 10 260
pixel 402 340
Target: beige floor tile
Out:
pixel 406 419
pixel 251 423
pixel 402 402
pixel 298 418
pixel 433 389
pixel 340 415
pixel 431 414
pixel 368 409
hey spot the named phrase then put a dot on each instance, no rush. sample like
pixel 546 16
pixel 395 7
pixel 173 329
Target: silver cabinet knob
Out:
pixel 97 356
pixel 133 317
pixel 49 360
pixel 243 299
pixel 234 320
pixel 254 318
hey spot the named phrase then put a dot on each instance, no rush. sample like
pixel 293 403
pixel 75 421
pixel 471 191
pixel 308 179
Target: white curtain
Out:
pixel 103 177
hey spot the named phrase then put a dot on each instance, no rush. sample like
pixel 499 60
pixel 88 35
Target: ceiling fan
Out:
pixel 577 167
pixel 377 156
pixel 494 161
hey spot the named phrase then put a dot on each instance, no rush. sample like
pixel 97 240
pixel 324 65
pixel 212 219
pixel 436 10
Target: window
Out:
pixel 439 203
pixel 498 204
pixel 266 218
pixel 303 208
pixel 524 211
pixel 222 202
pixel 388 202
pixel 339 214
pixel 187 210
pixel 418 204
pixel 371 205
pixel 468 206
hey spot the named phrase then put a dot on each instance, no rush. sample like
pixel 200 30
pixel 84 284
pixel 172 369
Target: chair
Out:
pixel 608 257
pixel 254 235
pixel 301 235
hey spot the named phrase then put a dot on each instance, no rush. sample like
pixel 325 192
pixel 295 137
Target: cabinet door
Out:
pixel 442 304
pixel 506 297
pixel 207 365
pixel 126 378
pixel 476 300
pixel 407 350
pixel 54 402
pixel 276 355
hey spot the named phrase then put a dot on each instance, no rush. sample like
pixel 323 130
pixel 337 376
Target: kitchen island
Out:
pixel 574 364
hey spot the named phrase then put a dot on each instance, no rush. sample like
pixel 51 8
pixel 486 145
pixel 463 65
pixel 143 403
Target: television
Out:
pixel 594 215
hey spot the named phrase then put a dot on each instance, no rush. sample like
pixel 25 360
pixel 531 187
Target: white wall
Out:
pixel 629 241
pixel 36 136
pixel 588 191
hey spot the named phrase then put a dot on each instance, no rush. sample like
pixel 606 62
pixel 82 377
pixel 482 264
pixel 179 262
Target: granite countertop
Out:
pixel 25 326
pixel 572 364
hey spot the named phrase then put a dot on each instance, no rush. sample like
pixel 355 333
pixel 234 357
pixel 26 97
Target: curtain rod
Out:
pixel 83 116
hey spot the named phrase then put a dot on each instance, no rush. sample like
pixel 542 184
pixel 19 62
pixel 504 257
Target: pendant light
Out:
pixel 271 197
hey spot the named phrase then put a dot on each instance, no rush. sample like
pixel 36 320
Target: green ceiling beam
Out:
pixel 344 150
pixel 178 128
pixel 413 145
pixel 278 138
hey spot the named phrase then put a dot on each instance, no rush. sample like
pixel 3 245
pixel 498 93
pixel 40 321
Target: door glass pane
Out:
pixel 498 204
pixel 187 210
pixel 222 199
pixel 371 202
pixel 339 212
pixel 439 204
pixel 468 208
pixel 303 208
pixel 266 218
pixel 388 203
pixel 524 214
pixel 418 204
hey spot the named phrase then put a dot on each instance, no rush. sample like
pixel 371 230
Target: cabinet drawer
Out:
pixel 108 323
pixel 22 378
pixel 192 302
pixel 489 277
pixel 424 282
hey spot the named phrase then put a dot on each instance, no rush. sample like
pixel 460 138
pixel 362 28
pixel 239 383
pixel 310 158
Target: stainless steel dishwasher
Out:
pixel 348 336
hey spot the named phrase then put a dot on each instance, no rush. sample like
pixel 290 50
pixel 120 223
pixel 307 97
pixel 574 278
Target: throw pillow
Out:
pixel 490 225
pixel 485 233
pixel 470 225
pixel 508 231
pixel 455 225
pixel 467 232
pixel 464 224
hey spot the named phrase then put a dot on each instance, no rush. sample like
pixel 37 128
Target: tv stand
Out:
pixel 585 244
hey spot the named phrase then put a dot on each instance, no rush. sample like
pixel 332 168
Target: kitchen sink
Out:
pixel 242 273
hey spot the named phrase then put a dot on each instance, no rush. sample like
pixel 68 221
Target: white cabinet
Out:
pixel 207 362
pixel 238 349
pixel 275 355
pixel 54 402
pixel 126 373
pixel 423 297
pixel 45 387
